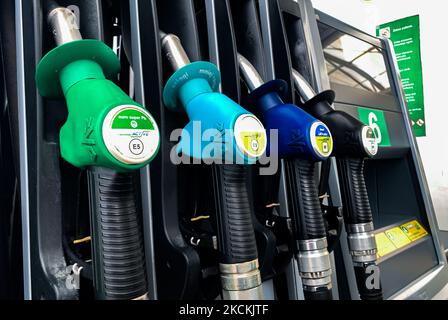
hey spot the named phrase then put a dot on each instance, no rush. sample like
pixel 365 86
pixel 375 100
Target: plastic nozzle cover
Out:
pixel 227 132
pixel 351 137
pixel 299 134
pixel 108 130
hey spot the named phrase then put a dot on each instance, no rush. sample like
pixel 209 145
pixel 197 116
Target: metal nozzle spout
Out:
pixel 250 74
pixel 174 51
pixel 64 26
pixel 303 87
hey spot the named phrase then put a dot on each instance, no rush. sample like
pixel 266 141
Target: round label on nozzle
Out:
pixel 369 141
pixel 130 134
pixel 321 139
pixel 250 135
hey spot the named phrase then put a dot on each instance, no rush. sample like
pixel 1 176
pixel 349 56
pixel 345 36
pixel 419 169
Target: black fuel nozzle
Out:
pixel 353 142
pixel 351 137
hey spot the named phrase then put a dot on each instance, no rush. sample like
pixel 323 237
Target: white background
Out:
pixel 366 15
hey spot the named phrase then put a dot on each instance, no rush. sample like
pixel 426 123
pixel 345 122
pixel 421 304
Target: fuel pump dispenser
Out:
pixel 354 142
pixel 111 136
pixel 238 138
pixel 92 220
pixel 302 142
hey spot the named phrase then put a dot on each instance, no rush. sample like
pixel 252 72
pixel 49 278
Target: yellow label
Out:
pixel 325 144
pixel 384 244
pixel 413 230
pixel 398 237
pixel 254 142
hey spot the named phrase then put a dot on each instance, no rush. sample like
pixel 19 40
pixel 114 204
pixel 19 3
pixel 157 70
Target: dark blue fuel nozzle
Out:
pixel 300 135
pixel 302 141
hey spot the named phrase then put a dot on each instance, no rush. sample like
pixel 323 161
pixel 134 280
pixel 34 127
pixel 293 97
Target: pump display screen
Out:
pixel 354 63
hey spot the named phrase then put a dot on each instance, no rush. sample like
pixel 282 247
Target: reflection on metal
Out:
pixel 241 281
pixel 64 25
pixel 305 90
pixel 340 64
pixel 251 76
pixel 174 51
pixel 351 61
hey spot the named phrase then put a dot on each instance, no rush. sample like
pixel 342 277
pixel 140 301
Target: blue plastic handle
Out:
pixel 299 134
pixel 219 128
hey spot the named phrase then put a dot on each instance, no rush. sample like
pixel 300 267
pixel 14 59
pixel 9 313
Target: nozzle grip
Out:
pixel 323 294
pixel 236 236
pixel 117 242
pixel 355 196
pixel 304 200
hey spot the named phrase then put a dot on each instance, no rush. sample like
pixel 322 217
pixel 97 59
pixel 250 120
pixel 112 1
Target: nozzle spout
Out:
pixel 174 51
pixel 63 24
pixel 303 87
pixel 250 74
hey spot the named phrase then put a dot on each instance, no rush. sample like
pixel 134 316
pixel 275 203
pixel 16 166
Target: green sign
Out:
pixel 376 120
pixel 405 36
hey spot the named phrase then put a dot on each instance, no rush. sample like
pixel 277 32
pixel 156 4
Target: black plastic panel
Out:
pixel 412 263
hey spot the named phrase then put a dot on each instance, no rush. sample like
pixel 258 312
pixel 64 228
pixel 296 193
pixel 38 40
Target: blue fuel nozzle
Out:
pixel 219 128
pixel 299 134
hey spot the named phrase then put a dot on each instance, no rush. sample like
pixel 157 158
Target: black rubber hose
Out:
pixel 236 235
pixel 356 199
pixel 357 210
pixel 321 294
pixel 117 242
pixel 366 285
pixel 306 213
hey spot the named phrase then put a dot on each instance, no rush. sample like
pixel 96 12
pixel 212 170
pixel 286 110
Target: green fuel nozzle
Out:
pixel 111 136
pixel 104 127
